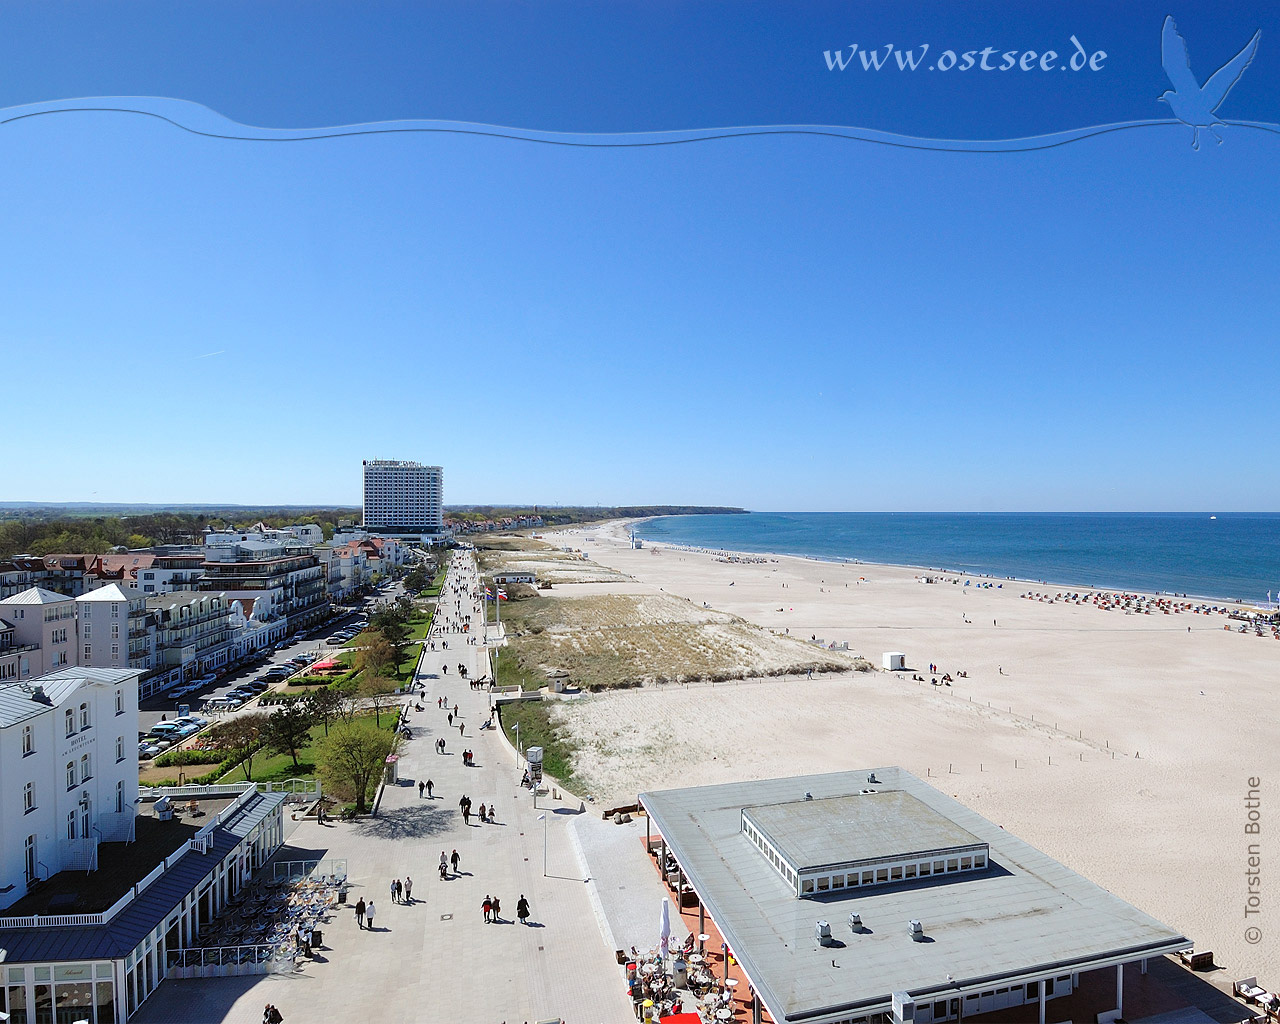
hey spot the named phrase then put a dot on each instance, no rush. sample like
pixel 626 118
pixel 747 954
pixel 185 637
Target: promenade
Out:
pixel 435 959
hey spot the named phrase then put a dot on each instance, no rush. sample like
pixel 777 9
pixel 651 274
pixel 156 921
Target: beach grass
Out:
pixel 538 730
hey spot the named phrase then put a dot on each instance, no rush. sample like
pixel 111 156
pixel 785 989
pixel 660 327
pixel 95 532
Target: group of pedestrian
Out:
pixel 446 861
pixel 365 912
pixel 428 785
pixel 492 908
pixel 402 892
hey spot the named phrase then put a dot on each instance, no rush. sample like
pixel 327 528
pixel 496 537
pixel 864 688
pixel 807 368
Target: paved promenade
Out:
pixel 435 959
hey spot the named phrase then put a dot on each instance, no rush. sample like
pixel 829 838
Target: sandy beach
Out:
pixel 1121 744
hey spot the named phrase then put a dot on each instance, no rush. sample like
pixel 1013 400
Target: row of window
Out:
pixel 87 632
pixel 896 873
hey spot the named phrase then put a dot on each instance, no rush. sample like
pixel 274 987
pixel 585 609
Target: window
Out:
pixel 806 886
pixel 868 877
pixel 71 775
pixel 70 720
pixel 115 650
pixel 837 881
pixel 31 861
pixel 120 797
pixel 88 652
pixel 71 824
pixel 115 610
pixel 119 748
pixel 824 883
pixel 1033 990
pixel 119 702
pixel 28 741
pixel 1048 988
pixel 966 863
pixel 896 874
pixel 86 768
pixel 88 631
pixel 939 866
pixel 911 871
pixel 952 864
pixel 115 631
pixel 980 861
pixel 882 874
pixel 84 716
pixel 28 798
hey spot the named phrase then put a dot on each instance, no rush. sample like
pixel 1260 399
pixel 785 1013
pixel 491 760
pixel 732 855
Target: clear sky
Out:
pixel 787 322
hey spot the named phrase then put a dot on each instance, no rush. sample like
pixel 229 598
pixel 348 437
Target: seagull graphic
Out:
pixel 1192 103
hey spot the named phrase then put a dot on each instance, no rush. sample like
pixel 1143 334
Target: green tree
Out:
pixel 377 690
pixel 377 654
pixel 352 756
pixel 288 728
pixel 325 705
pixel 241 738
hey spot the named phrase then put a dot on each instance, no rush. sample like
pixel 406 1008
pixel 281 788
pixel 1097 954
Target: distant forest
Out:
pixel 48 531
pixel 95 530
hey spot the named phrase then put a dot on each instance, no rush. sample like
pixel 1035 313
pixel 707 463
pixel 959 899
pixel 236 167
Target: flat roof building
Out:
pixel 403 498
pixel 931 912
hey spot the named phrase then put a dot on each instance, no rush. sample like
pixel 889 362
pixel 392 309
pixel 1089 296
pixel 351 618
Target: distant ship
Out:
pixel 1213 517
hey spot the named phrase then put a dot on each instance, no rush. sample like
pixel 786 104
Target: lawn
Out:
pixel 536 730
pixel 268 767
pixel 508 671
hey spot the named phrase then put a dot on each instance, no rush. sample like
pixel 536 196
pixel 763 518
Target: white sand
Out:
pixel 1161 823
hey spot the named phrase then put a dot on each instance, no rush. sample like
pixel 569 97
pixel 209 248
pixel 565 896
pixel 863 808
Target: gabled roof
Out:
pixel 130 563
pixel 36 595
pixel 21 701
pixel 112 592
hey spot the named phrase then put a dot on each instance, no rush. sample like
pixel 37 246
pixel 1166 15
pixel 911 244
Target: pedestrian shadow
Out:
pixel 412 822
pixel 534 924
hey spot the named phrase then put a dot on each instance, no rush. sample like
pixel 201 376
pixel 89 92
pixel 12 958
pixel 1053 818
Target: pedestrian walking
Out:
pixel 270 1015
pixel 360 909
pixel 408 889
pixel 395 885
pixel 451 718
pixel 496 911
pixel 444 866
pixel 482 812
pixel 421 786
pixel 462 728
pixel 466 815
pixel 369 911
pixel 429 785
pixel 487 907
pixel 522 909
pixel 454 859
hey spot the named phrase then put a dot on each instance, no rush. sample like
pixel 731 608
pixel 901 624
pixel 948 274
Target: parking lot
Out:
pixel 164 708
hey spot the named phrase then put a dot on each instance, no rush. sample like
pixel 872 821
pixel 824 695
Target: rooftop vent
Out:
pixel 855 923
pixel 38 694
pixel 871 778
pixel 822 932
pixel 916 930
pixel 808 795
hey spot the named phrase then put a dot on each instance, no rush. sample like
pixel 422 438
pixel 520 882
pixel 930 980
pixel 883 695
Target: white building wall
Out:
pixel 45 769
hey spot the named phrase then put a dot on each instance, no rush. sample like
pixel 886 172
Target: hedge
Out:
pixel 177 758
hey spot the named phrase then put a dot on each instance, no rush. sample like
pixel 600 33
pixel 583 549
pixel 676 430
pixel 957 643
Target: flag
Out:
pixel 502 594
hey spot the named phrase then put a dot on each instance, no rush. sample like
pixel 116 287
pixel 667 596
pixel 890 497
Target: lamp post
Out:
pixel 543 818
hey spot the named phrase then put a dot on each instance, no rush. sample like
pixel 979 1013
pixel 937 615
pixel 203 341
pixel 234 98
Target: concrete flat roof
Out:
pixel 1024 918
pixel 866 826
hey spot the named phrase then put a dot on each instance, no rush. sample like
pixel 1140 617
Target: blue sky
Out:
pixel 779 323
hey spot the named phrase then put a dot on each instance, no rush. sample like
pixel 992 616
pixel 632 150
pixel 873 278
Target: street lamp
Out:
pixel 543 818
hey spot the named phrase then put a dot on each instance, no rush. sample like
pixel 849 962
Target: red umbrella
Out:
pixel 681 1018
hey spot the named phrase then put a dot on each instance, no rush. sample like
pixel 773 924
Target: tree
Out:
pixel 377 689
pixel 352 756
pixel 393 624
pixel 325 705
pixel 288 728
pixel 241 738
pixel 377 654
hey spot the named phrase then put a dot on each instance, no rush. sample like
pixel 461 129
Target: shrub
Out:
pixel 179 758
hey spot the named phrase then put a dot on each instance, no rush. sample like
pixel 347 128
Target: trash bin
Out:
pixel 342 895
pixel 317 938
pixel 679 974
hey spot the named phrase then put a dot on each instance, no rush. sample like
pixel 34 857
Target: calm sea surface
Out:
pixel 1232 556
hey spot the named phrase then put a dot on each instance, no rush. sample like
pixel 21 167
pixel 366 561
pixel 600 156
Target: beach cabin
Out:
pixel 894 661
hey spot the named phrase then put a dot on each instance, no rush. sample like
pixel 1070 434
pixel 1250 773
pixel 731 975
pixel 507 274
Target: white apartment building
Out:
pixel 403 498
pixel 116 629
pixel 43 633
pixel 69 760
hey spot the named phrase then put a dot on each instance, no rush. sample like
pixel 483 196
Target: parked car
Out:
pixel 195 720
pixel 335 641
pixel 146 751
